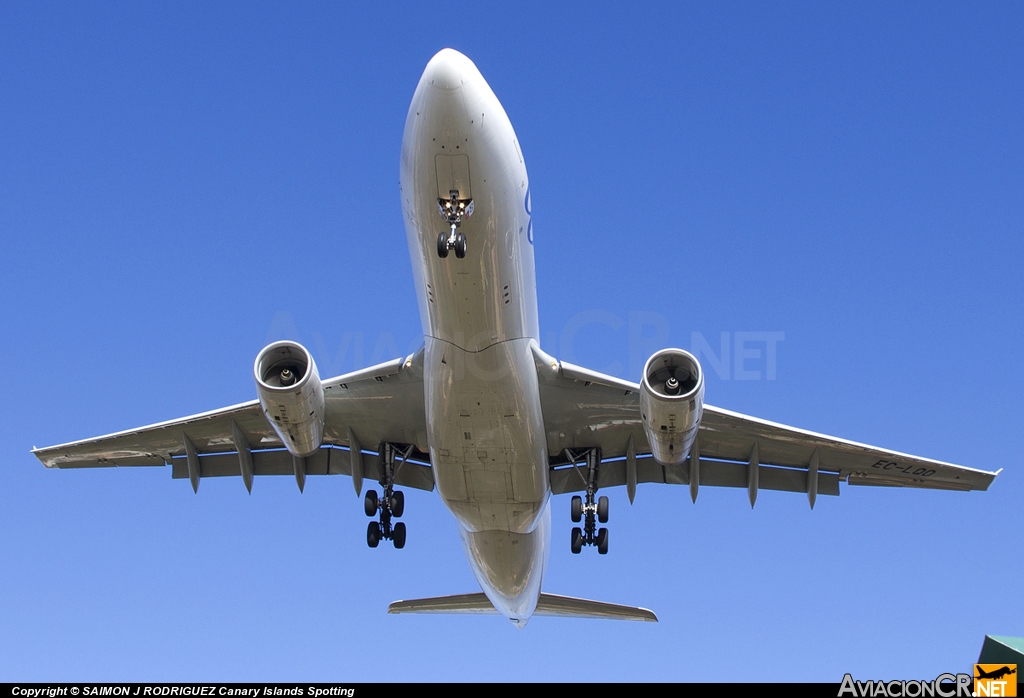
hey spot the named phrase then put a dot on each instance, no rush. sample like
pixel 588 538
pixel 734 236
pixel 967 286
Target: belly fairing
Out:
pixel 486 434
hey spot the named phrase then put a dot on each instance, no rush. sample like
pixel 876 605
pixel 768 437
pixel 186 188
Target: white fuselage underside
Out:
pixel 479 315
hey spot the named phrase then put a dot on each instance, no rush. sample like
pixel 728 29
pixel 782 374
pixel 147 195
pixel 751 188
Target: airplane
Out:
pixel 995 674
pixel 480 412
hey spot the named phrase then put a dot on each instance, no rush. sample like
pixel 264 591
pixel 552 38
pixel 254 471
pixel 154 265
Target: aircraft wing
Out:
pixel 383 403
pixel 584 409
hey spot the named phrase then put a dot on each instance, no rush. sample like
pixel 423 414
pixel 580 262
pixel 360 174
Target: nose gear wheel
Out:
pixel 453 210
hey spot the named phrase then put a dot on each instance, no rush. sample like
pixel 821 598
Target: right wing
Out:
pixel 383 403
pixel 586 409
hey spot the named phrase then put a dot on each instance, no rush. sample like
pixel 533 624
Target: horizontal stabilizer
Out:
pixel 569 607
pixel 548 605
pixel 457 603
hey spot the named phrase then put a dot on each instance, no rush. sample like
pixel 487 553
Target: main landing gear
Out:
pixel 391 505
pixel 453 210
pixel 589 511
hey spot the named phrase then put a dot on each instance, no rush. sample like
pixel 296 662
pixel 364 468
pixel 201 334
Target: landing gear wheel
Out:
pixel 442 245
pixel 370 503
pixel 453 210
pixel 602 541
pixel 577 541
pixel 373 534
pixel 397 504
pixel 577 509
pixel 602 510
pixel 399 535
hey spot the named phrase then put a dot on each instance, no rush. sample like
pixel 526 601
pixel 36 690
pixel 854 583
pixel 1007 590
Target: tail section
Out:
pixel 548 605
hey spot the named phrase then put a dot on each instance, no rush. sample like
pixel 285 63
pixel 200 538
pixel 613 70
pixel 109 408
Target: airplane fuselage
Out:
pixel 479 314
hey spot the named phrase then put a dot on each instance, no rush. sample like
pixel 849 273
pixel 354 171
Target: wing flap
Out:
pixel 263 463
pixel 329 460
pixel 712 474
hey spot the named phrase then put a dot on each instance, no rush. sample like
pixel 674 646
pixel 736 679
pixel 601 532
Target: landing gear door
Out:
pixel 452 175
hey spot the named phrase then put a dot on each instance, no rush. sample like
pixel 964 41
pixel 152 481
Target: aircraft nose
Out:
pixel 447 70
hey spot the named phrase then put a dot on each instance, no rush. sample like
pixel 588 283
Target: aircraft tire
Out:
pixel 577 541
pixel 373 534
pixel 460 245
pixel 602 541
pixel 576 509
pixel 397 504
pixel 370 503
pixel 442 245
pixel 602 509
pixel 398 535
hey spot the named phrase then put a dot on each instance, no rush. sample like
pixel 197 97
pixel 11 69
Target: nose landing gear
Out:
pixel 453 241
pixel 453 210
pixel 590 511
pixel 389 506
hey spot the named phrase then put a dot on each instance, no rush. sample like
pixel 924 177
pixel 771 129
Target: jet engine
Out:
pixel 671 403
pixel 291 395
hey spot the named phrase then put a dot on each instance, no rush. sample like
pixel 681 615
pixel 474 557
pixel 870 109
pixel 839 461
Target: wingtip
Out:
pixel 646 615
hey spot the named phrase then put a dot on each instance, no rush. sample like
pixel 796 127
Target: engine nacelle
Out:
pixel 671 403
pixel 291 395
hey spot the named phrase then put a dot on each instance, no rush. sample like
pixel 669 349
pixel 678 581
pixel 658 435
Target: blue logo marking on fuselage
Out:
pixel 529 214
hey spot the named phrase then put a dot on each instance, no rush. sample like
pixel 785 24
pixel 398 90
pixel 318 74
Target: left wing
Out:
pixel 586 409
pixel 383 403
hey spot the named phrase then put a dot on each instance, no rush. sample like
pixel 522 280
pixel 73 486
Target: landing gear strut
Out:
pixel 589 511
pixel 391 505
pixel 453 210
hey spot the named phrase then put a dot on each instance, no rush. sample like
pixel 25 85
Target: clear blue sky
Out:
pixel 181 183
